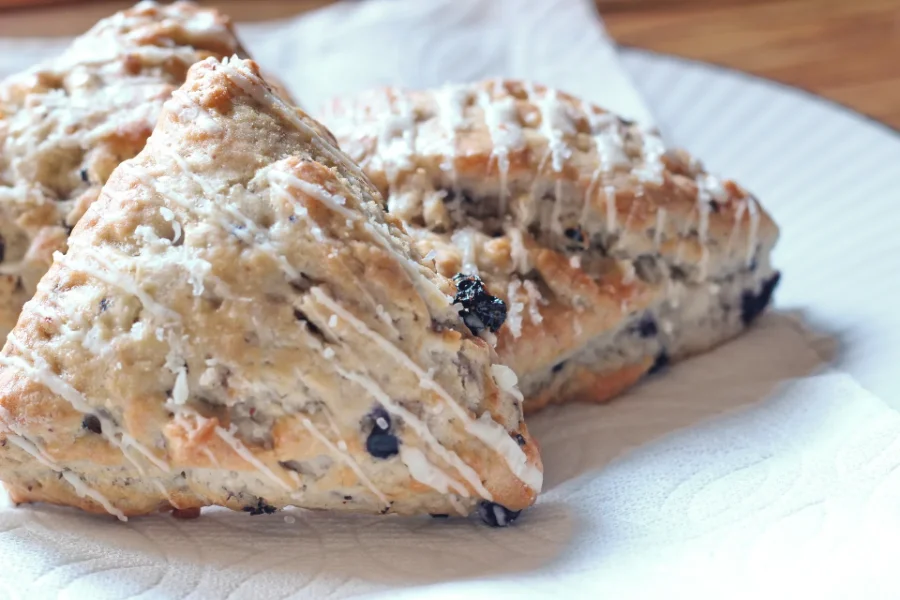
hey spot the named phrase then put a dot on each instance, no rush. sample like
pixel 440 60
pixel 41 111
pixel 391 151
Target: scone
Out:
pixel 67 123
pixel 237 322
pixel 614 254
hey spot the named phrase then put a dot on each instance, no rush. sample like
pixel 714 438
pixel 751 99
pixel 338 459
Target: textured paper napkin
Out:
pixel 654 494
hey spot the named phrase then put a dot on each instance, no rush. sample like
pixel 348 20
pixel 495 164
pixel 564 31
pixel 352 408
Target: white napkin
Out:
pixel 645 497
pixel 353 46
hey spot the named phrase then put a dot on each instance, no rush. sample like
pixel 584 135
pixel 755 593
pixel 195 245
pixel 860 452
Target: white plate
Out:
pixel 829 176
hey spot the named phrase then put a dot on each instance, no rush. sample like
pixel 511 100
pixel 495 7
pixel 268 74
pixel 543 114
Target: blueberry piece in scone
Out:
pixel 480 310
pixel 753 304
pixel 661 362
pixel 381 443
pixel 646 327
pixel 260 508
pixel 91 423
pixel 495 515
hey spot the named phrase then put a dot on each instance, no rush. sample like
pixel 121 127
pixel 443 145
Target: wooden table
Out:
pixel 846 50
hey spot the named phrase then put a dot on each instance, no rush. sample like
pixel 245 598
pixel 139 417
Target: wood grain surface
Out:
pixel 845 50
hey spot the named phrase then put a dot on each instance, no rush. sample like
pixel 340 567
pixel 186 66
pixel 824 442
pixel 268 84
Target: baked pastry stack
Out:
pixel 66 124
pixel 614 254
pixel 237 322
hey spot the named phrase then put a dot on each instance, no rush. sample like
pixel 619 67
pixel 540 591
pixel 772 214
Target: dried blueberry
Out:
pixel 575 234
pixel 104 304
pixel 520 440
pixel 381 443
pixel 646 327
pixel 310 326
pixel 451 195
pixel 91 423
pixel 262 508
pixel 480 310
pixel 495 515
pixel 558 367
pixel 84 176
pixel 753 305
pixel 661 362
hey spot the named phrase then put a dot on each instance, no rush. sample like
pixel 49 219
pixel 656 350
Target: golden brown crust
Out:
pixel 586 385
pixel 67 123
pixel 606 247
pixel 237 323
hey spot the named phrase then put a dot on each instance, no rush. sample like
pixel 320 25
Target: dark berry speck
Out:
pixel 575 235
pixel 661 362
pixel 520 440
pixel 480 310
pixel 753 304
pixel 646 327
pixel 261 508
pixel 381 443
pixel 495 515
pixel 91 423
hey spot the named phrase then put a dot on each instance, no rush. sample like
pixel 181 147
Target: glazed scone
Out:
pixel 237 322
pixel 614 254
pixel 67 123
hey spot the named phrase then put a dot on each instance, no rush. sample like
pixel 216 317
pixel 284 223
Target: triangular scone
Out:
pixel 613 253
pixel 67 123
pixel 237 322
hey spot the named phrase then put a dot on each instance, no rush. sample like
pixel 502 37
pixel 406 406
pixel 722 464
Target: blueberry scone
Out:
pixel 613 254
pixel 237 322
pixel 67 123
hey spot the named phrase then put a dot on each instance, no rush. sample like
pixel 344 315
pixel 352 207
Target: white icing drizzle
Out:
pixel 502 119
pixel 169 216
pixel 227 436
pixel 514 314
pixel 457 506
pixel 346 459
pixel 212 457
pixel 652 150
pixel 425 287
pixel 507 381
pixel 451 103
pixel 517 251
pixel 80 487
pixel 83 490
pixel 660 227
pixel 609 147
pixel 464 239
pixel 397 140
pixel 753 211
pixel 165 492
pixel 555 123
pixel 534 301
pixel 35 368
pixel 738 217
pixel 704 197
pixel 422 470
pixel 490 432
pixel 421 430
pixel 115 278
pixel 256 89
pixel 611 209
